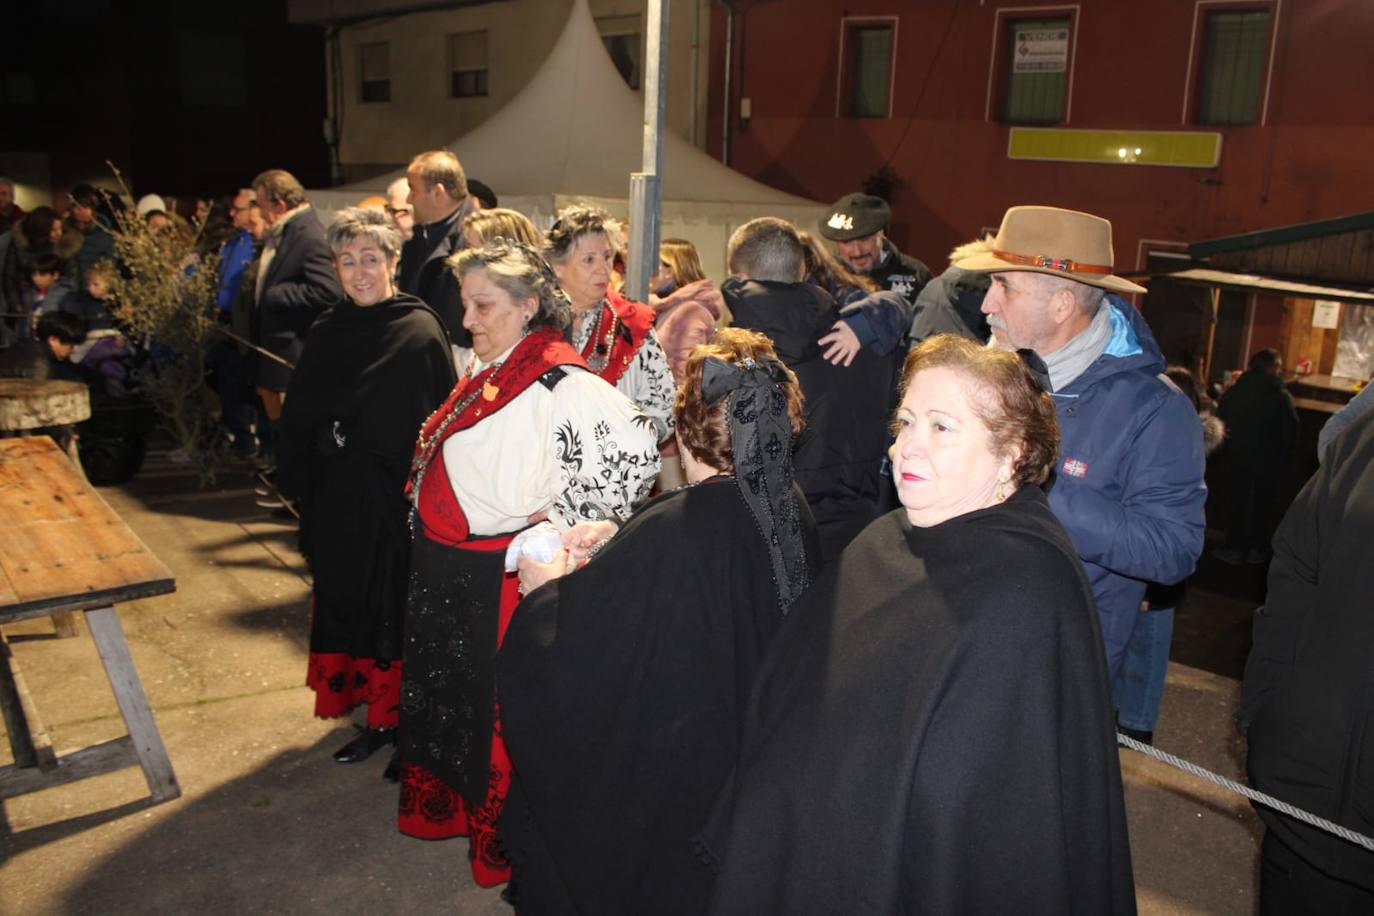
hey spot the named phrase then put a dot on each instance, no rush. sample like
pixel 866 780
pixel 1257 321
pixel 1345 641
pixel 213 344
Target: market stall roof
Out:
pixel 1336 251
pixel 1207 277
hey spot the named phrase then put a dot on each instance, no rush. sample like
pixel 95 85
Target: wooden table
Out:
pixel 33 404
pixel 65 549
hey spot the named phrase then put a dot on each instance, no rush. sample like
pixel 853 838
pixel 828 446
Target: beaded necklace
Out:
pixel 597 352
pixel 426 447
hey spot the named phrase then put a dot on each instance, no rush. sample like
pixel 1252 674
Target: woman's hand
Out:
pixel 533 573
pixel 580 539
pixel 841 344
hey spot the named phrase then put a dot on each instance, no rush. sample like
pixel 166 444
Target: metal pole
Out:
pixel 646 196
pixel 696 66
pixel 729 61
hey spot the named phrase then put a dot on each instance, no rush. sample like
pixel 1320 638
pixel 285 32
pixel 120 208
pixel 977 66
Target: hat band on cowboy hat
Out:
pixel 1060 264
pixel 1050 240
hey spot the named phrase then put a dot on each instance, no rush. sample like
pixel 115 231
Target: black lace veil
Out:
pixel 761 439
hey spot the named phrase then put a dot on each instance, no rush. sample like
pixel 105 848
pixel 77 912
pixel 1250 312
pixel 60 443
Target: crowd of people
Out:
pixel 820 589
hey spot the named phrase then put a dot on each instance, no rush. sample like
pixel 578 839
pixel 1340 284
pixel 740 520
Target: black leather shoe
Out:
pixel 392 773
pixel 362 747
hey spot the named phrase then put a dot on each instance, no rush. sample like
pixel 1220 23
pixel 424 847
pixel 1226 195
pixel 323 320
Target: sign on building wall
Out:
pixel 1040 50
pixel 1326 314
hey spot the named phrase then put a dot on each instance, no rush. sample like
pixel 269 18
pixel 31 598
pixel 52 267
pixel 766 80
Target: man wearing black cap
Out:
pixel 857 224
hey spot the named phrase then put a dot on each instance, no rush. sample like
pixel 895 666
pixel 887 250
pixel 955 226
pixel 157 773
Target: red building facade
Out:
pixel 1284 83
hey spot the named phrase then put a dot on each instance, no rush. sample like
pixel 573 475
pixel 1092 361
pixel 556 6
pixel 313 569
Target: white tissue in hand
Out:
pixel 542 543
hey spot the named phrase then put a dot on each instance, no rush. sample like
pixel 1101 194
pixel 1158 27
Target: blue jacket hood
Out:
pixel 1132 346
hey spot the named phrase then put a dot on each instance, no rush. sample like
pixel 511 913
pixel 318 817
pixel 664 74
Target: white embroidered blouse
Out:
pixel 647 380
pixel 581 451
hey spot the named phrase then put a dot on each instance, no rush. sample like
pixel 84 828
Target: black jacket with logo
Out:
pixel 900 273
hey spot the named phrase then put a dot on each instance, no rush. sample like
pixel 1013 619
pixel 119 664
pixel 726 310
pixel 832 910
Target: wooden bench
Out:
pixel 65 549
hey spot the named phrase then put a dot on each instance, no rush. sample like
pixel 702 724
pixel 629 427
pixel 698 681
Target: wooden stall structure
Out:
pixel 1229 297
pixel 65 549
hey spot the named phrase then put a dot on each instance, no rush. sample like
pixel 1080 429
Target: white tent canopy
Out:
pixel 575 133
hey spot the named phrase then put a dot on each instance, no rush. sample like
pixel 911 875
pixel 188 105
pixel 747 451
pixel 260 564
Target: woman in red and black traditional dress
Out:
pixel 527 434
pixel 614 335
pixel 374 368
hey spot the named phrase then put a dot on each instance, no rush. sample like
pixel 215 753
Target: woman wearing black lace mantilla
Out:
pixel 527 434
pixel 622 683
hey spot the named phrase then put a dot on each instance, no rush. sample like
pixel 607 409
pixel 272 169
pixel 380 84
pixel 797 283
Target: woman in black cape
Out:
pixel 622 683
pixel 373 368
pixel 931 730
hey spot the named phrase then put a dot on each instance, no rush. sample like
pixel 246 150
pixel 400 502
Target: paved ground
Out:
pixel 268 823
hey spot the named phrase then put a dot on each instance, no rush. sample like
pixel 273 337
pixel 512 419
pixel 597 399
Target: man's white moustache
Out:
pixel 996 322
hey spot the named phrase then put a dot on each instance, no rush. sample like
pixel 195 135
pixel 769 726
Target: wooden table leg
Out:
pixel 64 624
pixel 133 702
pixel 16 723
pixel 75 455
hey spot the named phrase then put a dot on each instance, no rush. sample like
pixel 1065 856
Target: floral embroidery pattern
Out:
pixel 603 481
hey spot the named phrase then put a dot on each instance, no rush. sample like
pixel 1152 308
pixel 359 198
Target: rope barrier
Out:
pixel 1268 801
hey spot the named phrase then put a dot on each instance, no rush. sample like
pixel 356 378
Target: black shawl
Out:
pixel 931 733
pixel 621 689
pixel 366 381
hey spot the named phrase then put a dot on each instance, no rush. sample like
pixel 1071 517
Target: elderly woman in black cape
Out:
pixel 373 368
pixel 622 683
pixel 931 731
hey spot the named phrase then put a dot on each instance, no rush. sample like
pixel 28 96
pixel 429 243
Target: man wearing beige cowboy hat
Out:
pixel 1128 485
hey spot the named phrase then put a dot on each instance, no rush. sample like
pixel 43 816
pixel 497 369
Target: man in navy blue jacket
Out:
pixel 1128 487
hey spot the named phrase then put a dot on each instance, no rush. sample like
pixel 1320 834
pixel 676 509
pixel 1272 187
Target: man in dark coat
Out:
pixel 1307 707
pixel 839 459
pixel 858 226
pixel 439 196
pixel 952 303
pixel 1261 429
pixel 295 281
